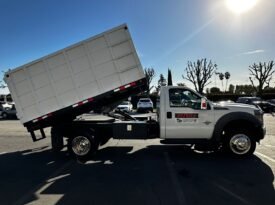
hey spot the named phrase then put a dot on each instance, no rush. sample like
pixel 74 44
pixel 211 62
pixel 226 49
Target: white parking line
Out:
pixel 244 201
pixel 266 157
pixel 175 179
pixel 268 145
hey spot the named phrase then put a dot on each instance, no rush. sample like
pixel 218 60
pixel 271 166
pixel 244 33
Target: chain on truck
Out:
pixel 96 75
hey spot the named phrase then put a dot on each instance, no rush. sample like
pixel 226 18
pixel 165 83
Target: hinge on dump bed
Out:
pixel 34 137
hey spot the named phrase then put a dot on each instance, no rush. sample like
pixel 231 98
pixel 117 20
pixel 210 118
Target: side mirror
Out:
pixel 203 104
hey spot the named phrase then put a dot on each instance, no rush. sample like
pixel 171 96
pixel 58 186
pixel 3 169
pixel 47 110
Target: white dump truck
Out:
pixel 99 73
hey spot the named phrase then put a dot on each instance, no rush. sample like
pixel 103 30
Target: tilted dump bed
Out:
pixel 93 73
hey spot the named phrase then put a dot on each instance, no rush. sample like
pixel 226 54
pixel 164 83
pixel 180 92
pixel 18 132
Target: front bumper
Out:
pixel 123 109
pixel 261 131
pixel 144 108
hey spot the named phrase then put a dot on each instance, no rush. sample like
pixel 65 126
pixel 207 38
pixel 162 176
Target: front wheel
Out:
pixel 240 143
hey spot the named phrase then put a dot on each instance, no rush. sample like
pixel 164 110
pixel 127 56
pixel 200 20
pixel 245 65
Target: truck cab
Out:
pixel 188 117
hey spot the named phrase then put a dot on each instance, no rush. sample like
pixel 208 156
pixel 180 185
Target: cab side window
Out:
pixel 184 98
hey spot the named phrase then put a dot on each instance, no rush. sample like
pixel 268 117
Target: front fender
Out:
pixel 238 118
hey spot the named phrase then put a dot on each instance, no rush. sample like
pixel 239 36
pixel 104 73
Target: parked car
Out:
pixel 6 105
pixel 125 106
pixel 248 100
pixel 9 113
pixel 144 104
pixel 267 107
pixel 1 109
pixel 271 101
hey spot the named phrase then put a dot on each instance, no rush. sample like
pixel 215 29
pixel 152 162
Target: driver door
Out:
pixel 184 118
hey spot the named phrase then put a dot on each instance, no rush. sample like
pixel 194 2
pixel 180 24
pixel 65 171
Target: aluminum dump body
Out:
pixel 96 72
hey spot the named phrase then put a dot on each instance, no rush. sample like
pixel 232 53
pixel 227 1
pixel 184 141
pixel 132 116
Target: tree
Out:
pixel 244 89
pixel 215 90
pixel 181 84
pixel 221 76
pixel 269 90
pixel 262 74
pixel 199 73
pixel 161 82
pixel 2 85
pixel 149 75
pixel 227 76
pixel 231 89
pixel 169 77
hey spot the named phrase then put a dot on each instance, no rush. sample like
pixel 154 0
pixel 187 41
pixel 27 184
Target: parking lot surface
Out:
pixel 132 172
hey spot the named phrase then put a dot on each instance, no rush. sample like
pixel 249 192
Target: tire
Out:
pixel 56 140
pixel 83 145
pixel 4 115
pixel 240 143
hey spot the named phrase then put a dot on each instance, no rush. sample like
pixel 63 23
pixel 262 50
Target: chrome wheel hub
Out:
pixel 240 144
pixel 81 145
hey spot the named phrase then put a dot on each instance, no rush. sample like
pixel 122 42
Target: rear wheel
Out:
pixel 83 145
pixel 240 143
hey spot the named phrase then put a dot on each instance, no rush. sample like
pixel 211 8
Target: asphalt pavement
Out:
pixel 132 172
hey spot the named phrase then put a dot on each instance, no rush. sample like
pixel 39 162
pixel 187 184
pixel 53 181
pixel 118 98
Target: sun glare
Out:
pixel 240 6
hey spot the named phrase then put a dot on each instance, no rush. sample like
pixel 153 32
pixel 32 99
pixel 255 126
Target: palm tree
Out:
pixel 221 76
pixel 227 76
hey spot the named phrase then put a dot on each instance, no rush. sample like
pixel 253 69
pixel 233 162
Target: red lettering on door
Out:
pixel 186 115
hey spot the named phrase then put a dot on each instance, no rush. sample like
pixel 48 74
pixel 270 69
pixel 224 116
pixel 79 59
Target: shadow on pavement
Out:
pixel 120 175
pixel 217 179
pixel 23 170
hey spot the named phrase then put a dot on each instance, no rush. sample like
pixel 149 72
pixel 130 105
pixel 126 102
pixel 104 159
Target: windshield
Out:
pixel 255 99
pixel 145 100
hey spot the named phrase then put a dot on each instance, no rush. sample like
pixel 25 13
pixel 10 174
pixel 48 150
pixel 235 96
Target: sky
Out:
pixel 166 33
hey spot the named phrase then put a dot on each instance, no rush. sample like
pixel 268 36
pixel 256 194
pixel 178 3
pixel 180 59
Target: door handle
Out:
pixel 169 115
